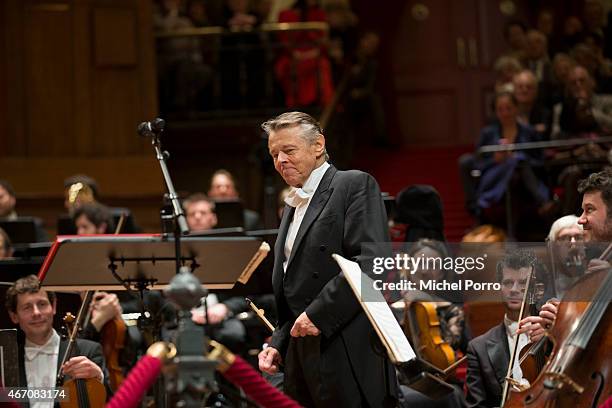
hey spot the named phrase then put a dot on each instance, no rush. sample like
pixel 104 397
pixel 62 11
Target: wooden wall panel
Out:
pixel 114 37
pixel 117 103
pixel 3 86
pixel 49 80
pixel 81 77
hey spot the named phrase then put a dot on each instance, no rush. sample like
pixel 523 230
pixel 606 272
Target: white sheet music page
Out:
pixel 378 312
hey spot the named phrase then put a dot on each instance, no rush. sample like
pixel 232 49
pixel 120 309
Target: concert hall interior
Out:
pixel 266 203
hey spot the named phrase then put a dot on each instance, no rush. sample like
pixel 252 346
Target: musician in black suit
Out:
pixel 323 337
pixel 489 354
pixel 33 308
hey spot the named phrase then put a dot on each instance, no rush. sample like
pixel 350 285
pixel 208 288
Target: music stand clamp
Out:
pixel 193 375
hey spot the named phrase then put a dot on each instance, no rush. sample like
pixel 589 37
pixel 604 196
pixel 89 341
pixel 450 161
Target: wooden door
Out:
pixel 436 63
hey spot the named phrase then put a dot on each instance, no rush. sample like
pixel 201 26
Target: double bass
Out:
pixel 578 373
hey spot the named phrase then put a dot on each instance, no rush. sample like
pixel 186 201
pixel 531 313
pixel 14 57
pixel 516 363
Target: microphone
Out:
pixel 154 127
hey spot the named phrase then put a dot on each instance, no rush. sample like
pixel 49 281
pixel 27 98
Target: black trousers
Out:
pixel 318 374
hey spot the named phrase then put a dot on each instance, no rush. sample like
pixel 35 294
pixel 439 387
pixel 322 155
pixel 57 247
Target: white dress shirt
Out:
pixel 300 198
pixel 511 328
pixel 41 366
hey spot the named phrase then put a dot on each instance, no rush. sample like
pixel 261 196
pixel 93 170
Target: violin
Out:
pixel 84 393
pixel 533 357
pixel 424 325
pixel 112 339
pixel 578 372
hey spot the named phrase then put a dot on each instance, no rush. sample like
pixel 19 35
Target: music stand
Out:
pixel 22 230
pixel 110 262
pixel 230 213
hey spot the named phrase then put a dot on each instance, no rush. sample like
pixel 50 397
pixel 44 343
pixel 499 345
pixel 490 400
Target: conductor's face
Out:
pixel 295 157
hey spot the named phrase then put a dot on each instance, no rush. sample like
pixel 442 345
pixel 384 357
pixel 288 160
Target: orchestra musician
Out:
pixel 489 354
pixel 32 308
pixel 323 337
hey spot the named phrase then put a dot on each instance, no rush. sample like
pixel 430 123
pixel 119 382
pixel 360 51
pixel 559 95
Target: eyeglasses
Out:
pixel 569 238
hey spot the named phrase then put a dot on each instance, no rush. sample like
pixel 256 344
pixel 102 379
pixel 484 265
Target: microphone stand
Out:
pixel 193 375
pixel 155 129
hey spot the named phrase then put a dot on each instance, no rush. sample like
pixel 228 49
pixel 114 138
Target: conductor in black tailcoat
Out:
pixel 323 337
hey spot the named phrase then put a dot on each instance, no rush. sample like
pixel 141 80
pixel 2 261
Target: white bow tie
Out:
pixel 297 196
pixel 31 352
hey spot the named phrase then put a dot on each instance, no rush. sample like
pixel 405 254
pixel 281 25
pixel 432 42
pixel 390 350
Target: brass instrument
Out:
pixel 78 194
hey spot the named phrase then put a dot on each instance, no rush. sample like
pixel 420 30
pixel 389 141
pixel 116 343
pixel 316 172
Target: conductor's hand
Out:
pixel 304 327
pixel 82 367
pixel 104 307
pixel 269 360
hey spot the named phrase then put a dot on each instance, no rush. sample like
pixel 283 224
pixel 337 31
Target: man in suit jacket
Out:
pixel 33 308
pixel 489 354
pixel 323 337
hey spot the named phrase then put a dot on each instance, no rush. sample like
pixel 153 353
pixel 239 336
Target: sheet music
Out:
pixel 377 310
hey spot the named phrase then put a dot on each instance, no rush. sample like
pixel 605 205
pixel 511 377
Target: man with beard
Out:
pixel 597 198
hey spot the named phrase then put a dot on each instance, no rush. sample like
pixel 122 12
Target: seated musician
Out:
pixel 567 249
pixel 489 354
pixel 6 248
pixel 32 308
pixel 94 218
pixel 200 214
pixel 449 305
pixel 80 189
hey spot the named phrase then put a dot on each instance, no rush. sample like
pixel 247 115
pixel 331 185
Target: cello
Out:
pixel 578 372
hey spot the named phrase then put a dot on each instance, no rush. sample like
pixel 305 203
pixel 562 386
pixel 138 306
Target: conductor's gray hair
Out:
pixel 310 129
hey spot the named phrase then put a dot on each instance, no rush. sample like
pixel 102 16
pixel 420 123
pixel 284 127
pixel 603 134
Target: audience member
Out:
pixel 536 56
pixel 562 65
pixel 516 39
pixel 594 17
pixel 196 11
pixel 343 39
pixel 505 67
pixel 184 78
pixel 241 58
pixel 583 111
pixel 499 169
pixel 531 110
pixel 572 33
pixel 223 187
pixel 363 103
pixel 545 23
pixel 303 68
